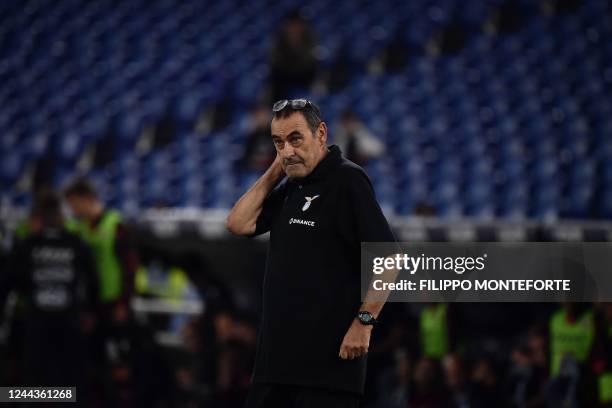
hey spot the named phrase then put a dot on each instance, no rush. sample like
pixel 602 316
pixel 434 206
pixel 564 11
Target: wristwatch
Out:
pixel 366 318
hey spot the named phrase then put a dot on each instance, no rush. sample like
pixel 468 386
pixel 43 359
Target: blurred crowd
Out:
pixel 67 292
pixel 483 355
pixel 68 317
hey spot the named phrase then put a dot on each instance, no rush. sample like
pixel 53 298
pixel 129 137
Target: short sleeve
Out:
pixel 271 209
pixel 370 222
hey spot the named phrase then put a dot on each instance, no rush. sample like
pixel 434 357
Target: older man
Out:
pixel 318 207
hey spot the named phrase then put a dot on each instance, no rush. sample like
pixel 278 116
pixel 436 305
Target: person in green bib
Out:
pixel 572 331
pixel 116 264
pixel 434 330
pixel 602 352
pixel 105 232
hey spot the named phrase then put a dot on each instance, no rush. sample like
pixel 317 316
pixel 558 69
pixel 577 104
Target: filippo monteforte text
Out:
pixel 478 285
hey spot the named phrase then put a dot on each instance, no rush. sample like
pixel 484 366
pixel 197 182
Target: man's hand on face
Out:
pixel 277 167
pixel 356 341
pixel 278 163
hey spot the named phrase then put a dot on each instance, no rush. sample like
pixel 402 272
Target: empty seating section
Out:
pixel 512 125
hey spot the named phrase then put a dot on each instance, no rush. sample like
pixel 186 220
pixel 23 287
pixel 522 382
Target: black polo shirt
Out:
pixel 311 288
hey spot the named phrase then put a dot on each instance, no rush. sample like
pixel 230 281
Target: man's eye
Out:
pixel 296 141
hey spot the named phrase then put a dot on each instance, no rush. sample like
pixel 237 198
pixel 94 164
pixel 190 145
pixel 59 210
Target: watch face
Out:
pixel 365 317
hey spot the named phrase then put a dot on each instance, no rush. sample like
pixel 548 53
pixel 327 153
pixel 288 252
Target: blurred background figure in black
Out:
pixel 136 374
pixel 486 383
pixel 528 377
pixel 259 151
pixel 54 272
pixel 394 384
pixel 293 61
pixel 355 140
pixel 235 339
pixel 457 382
pixel 428 388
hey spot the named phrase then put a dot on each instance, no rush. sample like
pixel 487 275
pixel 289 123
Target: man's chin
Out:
pixel 295 173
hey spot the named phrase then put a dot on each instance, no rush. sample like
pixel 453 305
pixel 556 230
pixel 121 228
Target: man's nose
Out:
pixel 288 150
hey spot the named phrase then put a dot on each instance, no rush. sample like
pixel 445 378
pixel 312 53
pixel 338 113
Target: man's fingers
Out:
pixel 351 352
pixel 346 352
pixel 354 352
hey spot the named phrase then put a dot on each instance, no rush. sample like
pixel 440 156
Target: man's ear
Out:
pixel 322 133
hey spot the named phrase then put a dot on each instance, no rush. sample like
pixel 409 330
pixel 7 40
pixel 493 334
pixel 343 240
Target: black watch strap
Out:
pixel 366 318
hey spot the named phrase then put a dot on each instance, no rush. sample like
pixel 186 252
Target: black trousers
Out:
pixel 290 396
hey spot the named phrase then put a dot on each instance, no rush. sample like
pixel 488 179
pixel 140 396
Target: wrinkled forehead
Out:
pixel 282 127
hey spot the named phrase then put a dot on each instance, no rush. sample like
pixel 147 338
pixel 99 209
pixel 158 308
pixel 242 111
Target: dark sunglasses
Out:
pixel 296 104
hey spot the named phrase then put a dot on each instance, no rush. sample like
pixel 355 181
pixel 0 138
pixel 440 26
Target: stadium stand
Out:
pixel 514 124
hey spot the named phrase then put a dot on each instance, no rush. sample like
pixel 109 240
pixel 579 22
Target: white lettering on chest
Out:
pixel 303 222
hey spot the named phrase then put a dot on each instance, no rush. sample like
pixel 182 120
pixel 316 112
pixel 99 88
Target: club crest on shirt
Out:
pixel 308 201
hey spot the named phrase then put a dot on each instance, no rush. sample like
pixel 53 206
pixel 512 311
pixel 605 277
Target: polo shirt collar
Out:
pixel 326 166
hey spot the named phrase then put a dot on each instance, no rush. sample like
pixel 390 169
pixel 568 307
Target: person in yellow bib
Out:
pixel 602 354
pixel 572 332
pixel 105 232
pixel 434 330
pixel 116 264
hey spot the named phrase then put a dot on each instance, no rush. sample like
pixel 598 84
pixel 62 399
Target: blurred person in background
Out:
pixel 529 370
pixel 573 331
pixel 8 369
pixel 485 381
pixel 395 55
pixel 357 142
pixel 116 264
pixel 259 151
pixel 602 355
pixel 215 367
pixel 136 375
pixel 293 61
pixel 434 325
pixel 54 271
pixel 16 306
pixel 457 381
pixel 104 230
pixel 394 383
pixel 428 389
pixel 194 373
pixel 392 339
pixel 235 349
pixel 31 223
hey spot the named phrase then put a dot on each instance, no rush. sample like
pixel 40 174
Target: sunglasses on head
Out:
pixel 296 104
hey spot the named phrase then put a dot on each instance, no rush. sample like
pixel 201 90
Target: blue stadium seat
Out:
pixel 473 130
